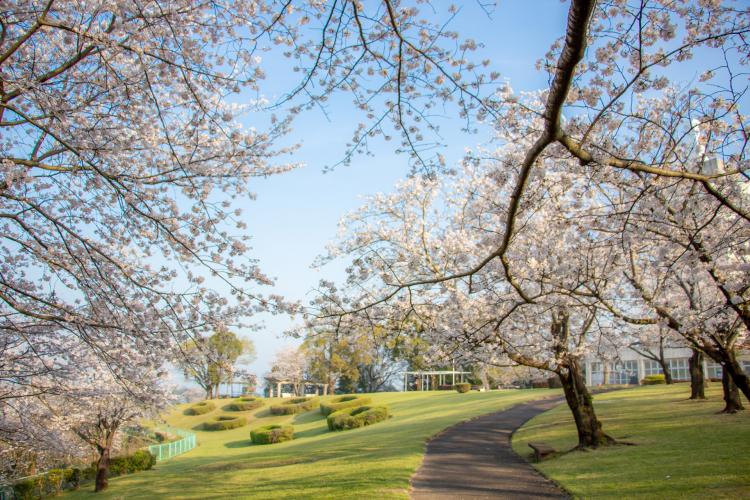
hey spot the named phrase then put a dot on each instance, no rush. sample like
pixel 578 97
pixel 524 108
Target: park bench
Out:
pixel 541 451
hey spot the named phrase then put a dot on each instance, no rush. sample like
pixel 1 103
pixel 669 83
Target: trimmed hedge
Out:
pixel 270 434
pixel 200 408
pixel 56 480
pixel 462 387
pixel 295 405
pixel 341 402
pixel 224 423
pixel 654 380
pixel 360 416
pixel 245 404
pixel 138 461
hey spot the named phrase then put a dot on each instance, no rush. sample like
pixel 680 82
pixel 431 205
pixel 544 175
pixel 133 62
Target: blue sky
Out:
pixel 296 214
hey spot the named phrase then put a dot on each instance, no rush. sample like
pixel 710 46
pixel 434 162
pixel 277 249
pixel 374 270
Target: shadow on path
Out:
pixel 475 459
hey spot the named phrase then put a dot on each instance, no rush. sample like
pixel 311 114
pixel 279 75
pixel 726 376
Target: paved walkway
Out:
pixel 475 459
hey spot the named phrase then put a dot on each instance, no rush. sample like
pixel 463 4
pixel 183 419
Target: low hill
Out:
pixel 374 462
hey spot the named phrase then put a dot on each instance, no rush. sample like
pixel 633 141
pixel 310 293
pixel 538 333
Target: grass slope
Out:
pixel 684 449
pixel 371 462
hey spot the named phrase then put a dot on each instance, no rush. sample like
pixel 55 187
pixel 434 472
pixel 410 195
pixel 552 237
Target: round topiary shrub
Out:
pixel 224 423
pixel 462 387
pixel 341 402
pixel 245 404
pixel 360 416
pixel 654 380
pixel 201 408
pixel 269 434
pixel 295 405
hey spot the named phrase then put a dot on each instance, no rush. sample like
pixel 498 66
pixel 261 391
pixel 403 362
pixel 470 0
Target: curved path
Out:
pixel 474 459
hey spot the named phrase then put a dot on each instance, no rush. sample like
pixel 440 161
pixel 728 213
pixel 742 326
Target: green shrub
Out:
pixel 462 387
pixel 351 418
pixel 118 466
pixel 341 402
pixel 55 480
pixel 24 490
pixel 270 434
pixel 654 380
pixel 138 461
pixel 200 408
pixel 295 405
pixel 89 473
pixel 72 478
pixel 224 423
pixel 141 460
pixel 245 404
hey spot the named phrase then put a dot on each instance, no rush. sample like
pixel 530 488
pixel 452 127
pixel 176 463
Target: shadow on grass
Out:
pixel 242 443
pixel 265 412
pixel 308 417
pixel 316 431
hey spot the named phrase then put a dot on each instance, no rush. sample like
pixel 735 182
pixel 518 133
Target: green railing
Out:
pixel 168 450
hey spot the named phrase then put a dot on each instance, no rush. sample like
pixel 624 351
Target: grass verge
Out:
pixel 683 448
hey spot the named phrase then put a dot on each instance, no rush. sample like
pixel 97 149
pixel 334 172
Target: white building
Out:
pixel 631 367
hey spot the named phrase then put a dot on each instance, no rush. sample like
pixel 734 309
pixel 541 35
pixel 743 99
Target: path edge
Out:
pixel 427 442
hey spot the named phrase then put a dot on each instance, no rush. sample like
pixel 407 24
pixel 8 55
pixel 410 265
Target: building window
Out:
pixel 713 370
pixel 624 372
pixel 679 368
pixel 651 367
pixel 597 374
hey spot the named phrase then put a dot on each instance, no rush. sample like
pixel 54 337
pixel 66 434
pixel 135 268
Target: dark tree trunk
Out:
pixel 730 365
pixel 697 377
pixel 580 402
pixel 102 469
pixel 738 376
pixel 732 400
pixel 666 370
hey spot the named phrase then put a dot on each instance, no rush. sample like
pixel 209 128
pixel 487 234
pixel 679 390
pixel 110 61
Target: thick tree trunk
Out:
pixel 728 360
pixel 580 402
pixel 738 376
pixel 209 391
pixel 667 371
pixel 102 469
pixel 732 400
pixel 697 377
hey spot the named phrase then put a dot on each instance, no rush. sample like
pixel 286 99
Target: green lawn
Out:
pixel 371 462
pixel 683 448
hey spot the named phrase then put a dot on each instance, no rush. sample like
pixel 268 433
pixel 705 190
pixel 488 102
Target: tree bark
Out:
pixel 728 360
pixel 732 401
pixel 738 376
pixel 697 377
pixel 666 370
pixel 102 468
pixel 580 402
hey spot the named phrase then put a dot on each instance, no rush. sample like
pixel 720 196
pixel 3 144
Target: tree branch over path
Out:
pixel 579 16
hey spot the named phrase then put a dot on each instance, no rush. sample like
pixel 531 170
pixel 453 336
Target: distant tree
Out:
pixel 210 361
pixel 651 345
pixel 290 365
pixel 331 358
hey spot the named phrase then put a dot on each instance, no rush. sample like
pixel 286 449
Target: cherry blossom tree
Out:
pixel 87 414
pixel 124 144
pixel 290 365
pixel 634 151
pixel 430 228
